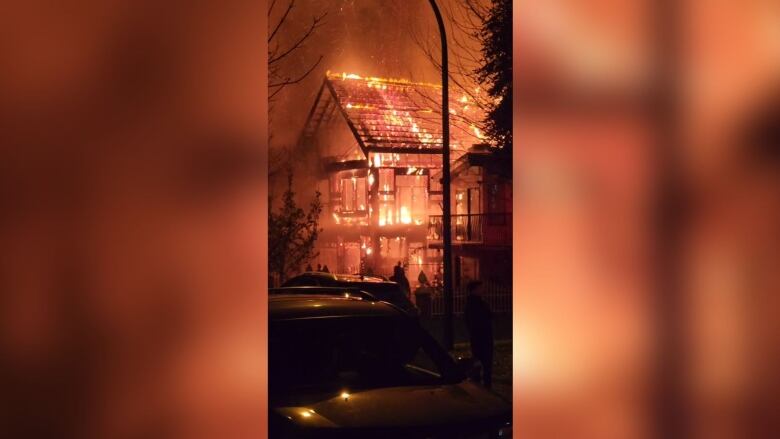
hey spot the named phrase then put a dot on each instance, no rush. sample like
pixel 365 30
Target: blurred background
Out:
pixel 133 219
pixel 646 218
pixel 646 224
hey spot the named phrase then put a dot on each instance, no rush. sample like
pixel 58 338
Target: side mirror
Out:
pixel 470 367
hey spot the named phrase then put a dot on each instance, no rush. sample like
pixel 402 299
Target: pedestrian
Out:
pixel 399 276
pixel 422 279
pixel 308 267
pixel 325 269
pixel 479 322
pixel 319 267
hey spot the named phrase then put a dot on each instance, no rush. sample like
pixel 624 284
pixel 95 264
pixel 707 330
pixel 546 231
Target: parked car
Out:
pixel 382 289
pixel 347 366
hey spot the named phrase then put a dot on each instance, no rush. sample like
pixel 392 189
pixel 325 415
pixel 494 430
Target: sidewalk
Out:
pixel 502 357
pixel 502 328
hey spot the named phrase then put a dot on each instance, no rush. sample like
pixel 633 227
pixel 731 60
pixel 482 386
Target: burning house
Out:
pixel 481 218
pixel 379 142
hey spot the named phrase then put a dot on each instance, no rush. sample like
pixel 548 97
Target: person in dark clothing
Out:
pixel 319 267
pixel 479 322
pixel 325 269
pixel 399 277
pixel 308 267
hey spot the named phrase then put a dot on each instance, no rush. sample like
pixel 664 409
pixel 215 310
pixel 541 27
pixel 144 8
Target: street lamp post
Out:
pixel 445 181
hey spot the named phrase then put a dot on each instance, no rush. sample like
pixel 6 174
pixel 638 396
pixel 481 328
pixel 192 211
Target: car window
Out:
pixel 356 352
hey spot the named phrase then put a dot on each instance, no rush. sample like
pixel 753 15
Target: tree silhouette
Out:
pixel 496 70
pixel 292 233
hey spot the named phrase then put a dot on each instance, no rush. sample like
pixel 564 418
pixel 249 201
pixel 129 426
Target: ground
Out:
pixel 502 357
pixel 502 365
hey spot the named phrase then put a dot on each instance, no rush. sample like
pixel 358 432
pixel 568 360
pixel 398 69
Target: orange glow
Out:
pixel 406 217
pixel 374 81
pixel 477 132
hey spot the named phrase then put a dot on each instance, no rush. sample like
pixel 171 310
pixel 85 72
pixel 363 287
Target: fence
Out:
pixel 497 296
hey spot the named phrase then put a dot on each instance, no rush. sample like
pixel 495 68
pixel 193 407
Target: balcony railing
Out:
pixel 483 228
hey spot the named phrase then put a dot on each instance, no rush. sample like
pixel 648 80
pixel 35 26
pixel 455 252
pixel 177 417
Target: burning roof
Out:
pixel 394 115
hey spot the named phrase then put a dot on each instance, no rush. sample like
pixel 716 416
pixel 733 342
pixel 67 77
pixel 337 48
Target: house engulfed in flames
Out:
pixel 379 142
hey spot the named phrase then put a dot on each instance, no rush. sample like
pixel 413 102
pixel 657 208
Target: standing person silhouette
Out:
pixel 400 278
pixel 325 269
pixel 479 322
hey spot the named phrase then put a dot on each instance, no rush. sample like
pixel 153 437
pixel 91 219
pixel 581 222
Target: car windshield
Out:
pixel 329 354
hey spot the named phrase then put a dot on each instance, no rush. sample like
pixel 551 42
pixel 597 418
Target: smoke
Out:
pixel 367 37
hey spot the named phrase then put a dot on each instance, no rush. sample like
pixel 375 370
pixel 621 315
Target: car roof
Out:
pixel 309 306
pixel 347 277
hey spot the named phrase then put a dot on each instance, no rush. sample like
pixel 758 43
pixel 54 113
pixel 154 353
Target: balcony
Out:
pixel 493 229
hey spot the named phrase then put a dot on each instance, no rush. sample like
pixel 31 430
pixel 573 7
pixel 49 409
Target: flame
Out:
pixel 351 106
pixel 406 217
pixel 477 132
pixel 377 160
pixel 464 99
pixel 370 178
pixel 377 82
pixel 369 251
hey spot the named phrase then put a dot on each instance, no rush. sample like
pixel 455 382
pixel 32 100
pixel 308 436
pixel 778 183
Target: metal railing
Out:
pixel 498 298
pixel 485 228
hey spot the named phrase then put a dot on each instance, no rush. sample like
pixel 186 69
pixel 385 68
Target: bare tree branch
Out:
pixel 317 22
pixel 465 19
pixel 282 20
pixel 289 81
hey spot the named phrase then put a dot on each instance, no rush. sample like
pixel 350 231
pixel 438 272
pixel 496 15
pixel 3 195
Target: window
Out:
pixel 386 180
pixel 353 193
pixel 411 199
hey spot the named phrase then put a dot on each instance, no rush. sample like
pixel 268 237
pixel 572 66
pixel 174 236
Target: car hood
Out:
pixel 403 407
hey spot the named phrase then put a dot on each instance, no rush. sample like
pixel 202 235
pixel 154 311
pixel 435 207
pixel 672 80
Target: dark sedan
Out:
pixel 342 365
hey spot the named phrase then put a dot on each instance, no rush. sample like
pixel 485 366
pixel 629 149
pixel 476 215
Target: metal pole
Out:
pixel 445 181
